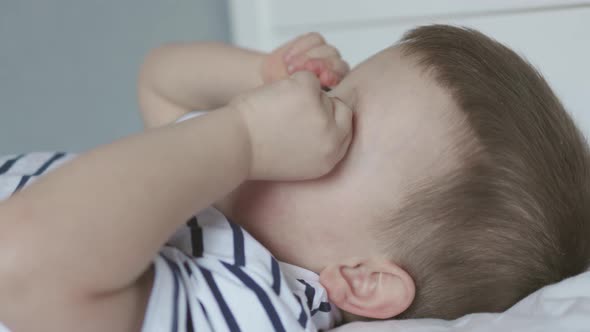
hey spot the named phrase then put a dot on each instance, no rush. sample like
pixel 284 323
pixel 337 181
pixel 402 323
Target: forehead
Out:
pixel 389 78
pixel 404 121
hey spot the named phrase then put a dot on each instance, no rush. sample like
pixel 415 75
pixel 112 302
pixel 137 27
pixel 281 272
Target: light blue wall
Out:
pixel 68 68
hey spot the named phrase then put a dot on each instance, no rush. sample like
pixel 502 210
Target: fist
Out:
pixel 295 130
pixel 309 52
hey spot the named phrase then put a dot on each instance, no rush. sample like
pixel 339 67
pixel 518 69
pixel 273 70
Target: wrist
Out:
pixel 227 138
pixel 240 131
pixel 272 68
pixel 259 62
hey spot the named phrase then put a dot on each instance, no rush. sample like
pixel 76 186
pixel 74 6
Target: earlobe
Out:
pixel 374 288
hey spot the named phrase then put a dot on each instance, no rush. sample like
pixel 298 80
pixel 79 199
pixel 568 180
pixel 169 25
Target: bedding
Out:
pixel 563 307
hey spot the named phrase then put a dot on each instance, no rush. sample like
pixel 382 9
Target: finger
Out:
pixel 342 116
pixel 304 44
pixel 329 78
pixel 344 147
pixel 304 62
pixel 328 105
pixel 321 68
pixel 339 66
pixel 316 66
pixel 297 63
pixel 307 79
pixel 323 51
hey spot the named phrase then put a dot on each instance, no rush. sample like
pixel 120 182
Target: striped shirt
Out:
pixel 211 275
pixel 16 171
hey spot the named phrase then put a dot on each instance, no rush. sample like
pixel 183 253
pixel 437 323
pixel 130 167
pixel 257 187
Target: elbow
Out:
pixel 148 70
pixel 154 63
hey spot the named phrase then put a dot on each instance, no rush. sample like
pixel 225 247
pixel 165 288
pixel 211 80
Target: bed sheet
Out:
pixel 563 307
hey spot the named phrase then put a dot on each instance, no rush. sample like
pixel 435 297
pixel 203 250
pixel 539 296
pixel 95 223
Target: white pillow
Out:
pixel 561 307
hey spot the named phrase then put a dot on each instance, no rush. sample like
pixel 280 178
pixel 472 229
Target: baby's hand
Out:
pixel 308 52
pixel 296 131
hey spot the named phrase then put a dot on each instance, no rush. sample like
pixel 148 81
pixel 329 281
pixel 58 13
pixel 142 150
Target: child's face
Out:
pixel 402 122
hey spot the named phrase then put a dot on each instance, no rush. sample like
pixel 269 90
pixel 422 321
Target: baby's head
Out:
pixel 466 186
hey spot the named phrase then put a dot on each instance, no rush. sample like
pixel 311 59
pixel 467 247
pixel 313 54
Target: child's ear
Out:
pixel 373 288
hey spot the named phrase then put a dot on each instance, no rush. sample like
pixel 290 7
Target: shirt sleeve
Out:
pixel 18 171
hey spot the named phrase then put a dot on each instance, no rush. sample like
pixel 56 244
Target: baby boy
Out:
pixel 440 177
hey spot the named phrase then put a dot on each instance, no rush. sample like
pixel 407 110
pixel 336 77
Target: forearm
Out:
pixel 96 223
pixel 178 78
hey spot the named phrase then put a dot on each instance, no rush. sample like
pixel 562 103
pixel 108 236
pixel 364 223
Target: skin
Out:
pixel 51 240
pixel 76 246
pixel 404 126
pixel 400 119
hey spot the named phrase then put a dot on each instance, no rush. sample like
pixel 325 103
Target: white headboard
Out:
pixel 552 34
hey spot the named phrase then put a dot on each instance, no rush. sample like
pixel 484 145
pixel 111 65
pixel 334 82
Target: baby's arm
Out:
pixel 90 228
pixel 178 78
pixel 86 232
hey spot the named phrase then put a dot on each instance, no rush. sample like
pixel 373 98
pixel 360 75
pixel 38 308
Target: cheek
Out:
pixel 255 200
pixel 288 207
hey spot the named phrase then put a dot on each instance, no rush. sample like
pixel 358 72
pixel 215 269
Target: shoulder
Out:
pixel 211 236
pixel 235 282
pixel 221 294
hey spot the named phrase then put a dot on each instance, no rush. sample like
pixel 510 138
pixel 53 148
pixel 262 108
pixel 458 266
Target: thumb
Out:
pixel 306 78
pixel 343 117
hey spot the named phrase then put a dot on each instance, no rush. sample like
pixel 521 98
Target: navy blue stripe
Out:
pixel 188 269
pixel 189 318
pixel 324 307
pixel 276 276
pixel 262 296
pixel 174 269
pixel 229 318
pixel 206 315
pixel 196 237
pixel 239 254
pixel 48 163
pixel 302 316
pixel 23 180
pixel 9 163
pixel 309 293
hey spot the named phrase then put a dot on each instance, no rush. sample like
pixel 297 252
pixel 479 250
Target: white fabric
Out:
pixel 24 169
pixel 235 285
pixel 190 115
